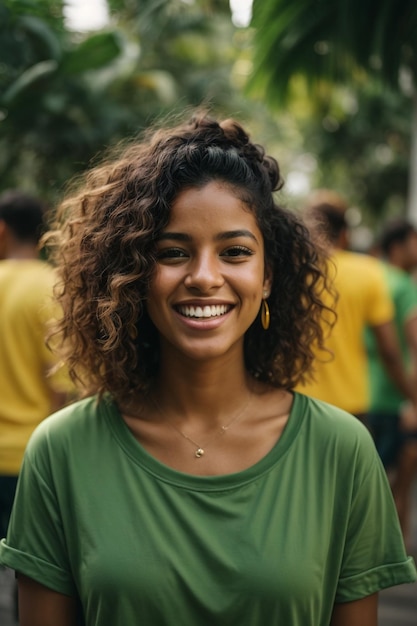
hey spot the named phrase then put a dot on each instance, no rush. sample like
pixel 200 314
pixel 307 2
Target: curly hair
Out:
pixel 103 242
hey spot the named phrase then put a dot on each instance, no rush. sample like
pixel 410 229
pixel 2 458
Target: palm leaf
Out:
pixel 329 40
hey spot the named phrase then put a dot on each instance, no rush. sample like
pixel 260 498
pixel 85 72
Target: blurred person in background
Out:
pixel 393 422
pixel 27 392
pixel 341 374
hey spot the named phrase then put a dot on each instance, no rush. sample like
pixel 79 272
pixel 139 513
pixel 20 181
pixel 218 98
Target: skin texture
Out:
pixel 362 612
pixel 404 253
pixel 211 253
pixel 386 337
pixel 40 606
pixel 411 335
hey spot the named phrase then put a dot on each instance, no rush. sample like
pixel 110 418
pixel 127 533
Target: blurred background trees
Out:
pixel 357 62
pixel 54 108
pixel 328 85
pixel 65 96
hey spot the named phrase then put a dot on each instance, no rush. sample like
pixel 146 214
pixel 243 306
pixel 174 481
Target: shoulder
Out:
pixel 403 290
pixel 397 277
pixel 68 428
pixel 328 416
pixel 27 268
pixel 327 425
pixel 360 262
pixel 361 274
pixel 44 274
pixel 30 280
pixel 339 447
pixel 400 280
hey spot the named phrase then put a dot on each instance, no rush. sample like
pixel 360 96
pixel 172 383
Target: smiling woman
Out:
pixel 192 480
pixel 210 276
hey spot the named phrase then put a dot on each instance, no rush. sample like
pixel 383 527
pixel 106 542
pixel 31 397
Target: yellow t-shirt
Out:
pixel 363 301
pixel 25 390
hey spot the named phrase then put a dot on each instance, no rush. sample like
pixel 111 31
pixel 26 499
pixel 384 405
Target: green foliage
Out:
pixel 93 53
pixel 364 149
pixel 54 115
pixel 66 96
pixel 330 40
pixel 28 80
pixel 309 56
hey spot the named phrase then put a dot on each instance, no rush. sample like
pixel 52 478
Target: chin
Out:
pixel 211 352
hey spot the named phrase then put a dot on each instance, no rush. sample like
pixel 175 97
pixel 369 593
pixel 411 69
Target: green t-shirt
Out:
pixel 310 524
pixel 385 396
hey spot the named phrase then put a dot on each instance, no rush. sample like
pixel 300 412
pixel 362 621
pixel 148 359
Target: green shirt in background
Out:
pixel 311 524
pixel 385 397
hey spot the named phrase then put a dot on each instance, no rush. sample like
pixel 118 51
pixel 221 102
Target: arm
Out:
pixel 363 612
pixel 410 328
pixel 409 413
pixel 387 341
pixel 41 606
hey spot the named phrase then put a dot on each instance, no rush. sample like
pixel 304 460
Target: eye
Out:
pixel 236 252
pixel 171 253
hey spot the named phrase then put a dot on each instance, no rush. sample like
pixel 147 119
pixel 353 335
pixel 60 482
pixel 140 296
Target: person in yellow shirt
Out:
pixel 341 375
pixel 27 392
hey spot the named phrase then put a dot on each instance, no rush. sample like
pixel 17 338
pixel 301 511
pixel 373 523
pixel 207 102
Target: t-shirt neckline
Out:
pixel 140 456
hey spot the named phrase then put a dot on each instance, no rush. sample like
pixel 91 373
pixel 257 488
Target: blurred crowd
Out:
pixel 32 385
pixel 369 365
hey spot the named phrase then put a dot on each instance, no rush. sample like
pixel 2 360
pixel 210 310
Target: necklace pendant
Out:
pixel 199 453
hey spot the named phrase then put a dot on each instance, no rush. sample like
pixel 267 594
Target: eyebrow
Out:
pixel 229 234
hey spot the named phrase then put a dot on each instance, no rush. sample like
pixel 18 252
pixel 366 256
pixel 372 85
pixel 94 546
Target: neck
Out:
pixel 397 261
pixel 23 253
pixel 204 392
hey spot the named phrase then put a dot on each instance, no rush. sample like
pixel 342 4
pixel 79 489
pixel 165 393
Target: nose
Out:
pixel 204 273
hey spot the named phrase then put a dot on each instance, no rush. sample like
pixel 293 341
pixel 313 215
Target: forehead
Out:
pixel 215 200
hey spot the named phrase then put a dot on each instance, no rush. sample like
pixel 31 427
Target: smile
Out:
pixel 204 312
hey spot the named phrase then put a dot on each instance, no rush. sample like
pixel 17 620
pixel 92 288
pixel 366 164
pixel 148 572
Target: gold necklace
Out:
pixel 200 449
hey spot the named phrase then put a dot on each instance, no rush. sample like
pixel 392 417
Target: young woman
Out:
pixel 191 485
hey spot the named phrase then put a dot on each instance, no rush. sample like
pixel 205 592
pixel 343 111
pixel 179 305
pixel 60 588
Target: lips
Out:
pixel 204 312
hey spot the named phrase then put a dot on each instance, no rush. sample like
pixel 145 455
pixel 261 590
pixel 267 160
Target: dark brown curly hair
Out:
pixel 103 243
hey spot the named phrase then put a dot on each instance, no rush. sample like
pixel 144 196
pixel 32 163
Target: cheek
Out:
pixel 161 282
pixel 161 288
pixel 253 286
pixel 154 296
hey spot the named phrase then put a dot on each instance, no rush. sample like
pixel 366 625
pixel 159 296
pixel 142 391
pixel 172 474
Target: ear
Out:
pixel 268 280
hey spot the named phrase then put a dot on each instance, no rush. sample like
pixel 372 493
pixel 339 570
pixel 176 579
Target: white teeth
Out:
pixel 206 311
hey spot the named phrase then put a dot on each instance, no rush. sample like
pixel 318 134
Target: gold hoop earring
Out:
pixel 265 316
